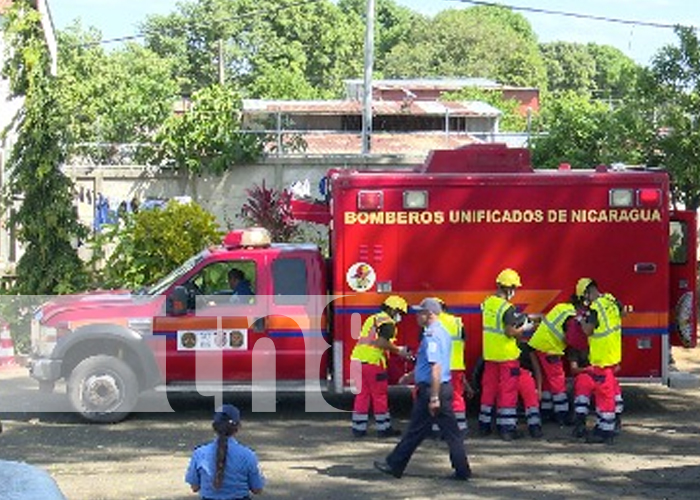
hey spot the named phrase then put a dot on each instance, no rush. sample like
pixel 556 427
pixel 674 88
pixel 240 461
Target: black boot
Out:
pixel 600 437
pixel 535 431
pixel 618 424
pixel 579 427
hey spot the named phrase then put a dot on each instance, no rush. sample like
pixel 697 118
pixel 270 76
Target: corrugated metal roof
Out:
pixel 350 107
pixel 409 144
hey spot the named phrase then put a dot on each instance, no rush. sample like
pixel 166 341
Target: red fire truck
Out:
pixel 445 229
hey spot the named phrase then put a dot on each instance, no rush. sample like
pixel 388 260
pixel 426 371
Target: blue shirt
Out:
pixel 242 292
pixel 435 347
pixel 241 473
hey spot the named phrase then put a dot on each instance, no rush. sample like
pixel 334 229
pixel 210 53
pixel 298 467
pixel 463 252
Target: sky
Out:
pixel 118 18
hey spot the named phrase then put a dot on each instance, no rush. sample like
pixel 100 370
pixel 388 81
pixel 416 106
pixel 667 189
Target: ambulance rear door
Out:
pixel 683 276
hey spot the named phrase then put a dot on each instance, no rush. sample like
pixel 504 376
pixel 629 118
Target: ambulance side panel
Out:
pixel 553 227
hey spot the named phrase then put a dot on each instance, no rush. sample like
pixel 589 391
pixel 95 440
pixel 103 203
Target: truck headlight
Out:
pixel 43 338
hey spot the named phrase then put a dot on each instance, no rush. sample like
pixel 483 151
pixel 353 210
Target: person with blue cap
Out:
pixel 433 401
pixel 224 469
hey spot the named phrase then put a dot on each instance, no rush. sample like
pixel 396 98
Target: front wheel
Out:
pixel 103 389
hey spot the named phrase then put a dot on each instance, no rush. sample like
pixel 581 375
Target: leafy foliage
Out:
pixel 485 41
pixel 112 98
pixel 600 71
pixel 272 209
pixel 151 243
pixel 46 220
pixel 585 133
pixel 208 137
pixel 313 46
pixel 672 86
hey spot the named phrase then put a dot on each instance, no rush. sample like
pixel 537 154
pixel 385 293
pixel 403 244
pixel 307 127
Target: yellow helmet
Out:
pixel 396 302
pixel 508 277
pixel 581 286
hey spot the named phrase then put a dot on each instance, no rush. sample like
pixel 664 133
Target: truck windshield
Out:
pixel 171 278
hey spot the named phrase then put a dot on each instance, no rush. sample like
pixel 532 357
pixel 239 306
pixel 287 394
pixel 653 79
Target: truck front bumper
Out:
pixel 45 370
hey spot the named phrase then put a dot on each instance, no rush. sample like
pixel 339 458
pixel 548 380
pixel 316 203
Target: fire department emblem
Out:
pixel 237 339
pixel 360 277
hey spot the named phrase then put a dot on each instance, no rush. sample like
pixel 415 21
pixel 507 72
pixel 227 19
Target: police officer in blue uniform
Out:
pixel 223 469
pixel 433 399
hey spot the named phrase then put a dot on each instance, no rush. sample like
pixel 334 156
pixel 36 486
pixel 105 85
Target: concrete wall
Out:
pixel 222 195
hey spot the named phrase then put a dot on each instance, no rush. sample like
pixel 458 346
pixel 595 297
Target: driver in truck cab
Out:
pixel 241 289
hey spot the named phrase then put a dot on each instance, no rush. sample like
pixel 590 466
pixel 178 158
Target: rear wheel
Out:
pixel 103 389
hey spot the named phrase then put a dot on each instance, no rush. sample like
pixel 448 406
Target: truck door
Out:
pixel 683 276
pixel 295 323
pixel 214 340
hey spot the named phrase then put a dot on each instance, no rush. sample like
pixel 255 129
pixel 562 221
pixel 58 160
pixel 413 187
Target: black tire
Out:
pixel 103 389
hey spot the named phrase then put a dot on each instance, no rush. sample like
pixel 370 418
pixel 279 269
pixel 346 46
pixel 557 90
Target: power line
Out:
pixel 232 18
pixel 592 17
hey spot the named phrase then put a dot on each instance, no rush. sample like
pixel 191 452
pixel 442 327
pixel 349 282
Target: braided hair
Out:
pixel 223 430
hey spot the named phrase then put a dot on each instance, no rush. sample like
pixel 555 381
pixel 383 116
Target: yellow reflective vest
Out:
pixel 605 345
pixel 497 346
pixel 453 325
pixel 550 335
pixel 365 350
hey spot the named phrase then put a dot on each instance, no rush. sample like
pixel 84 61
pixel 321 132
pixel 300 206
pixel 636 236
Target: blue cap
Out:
pixel 227 413
pixel 429 304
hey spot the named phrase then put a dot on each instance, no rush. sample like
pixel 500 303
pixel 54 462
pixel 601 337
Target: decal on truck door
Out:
pixel 212 340
pixel 360 277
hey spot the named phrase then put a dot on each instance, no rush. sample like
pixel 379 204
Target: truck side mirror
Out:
pixel 176 303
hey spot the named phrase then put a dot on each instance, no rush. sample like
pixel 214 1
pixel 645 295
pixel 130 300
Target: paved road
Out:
pixel 311 456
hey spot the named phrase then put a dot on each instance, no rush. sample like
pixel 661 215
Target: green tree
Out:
pixel 598 70
pixel 118 97
pixel 585 133
pixel 486 41
pixel 208 137
pixel 151 243
pixel 393 25
pixel 46 220
pixel 672 87
pixel 314 39
pixel 570 67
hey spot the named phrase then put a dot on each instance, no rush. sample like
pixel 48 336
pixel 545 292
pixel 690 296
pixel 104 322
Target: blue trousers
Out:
pixel 420 427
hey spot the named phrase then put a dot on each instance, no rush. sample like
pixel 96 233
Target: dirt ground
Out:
pixel 312 456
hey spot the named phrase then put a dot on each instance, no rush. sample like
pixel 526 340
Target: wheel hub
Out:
pixel 101 392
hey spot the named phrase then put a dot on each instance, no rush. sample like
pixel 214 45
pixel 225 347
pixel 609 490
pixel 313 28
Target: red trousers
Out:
pixel 601 383
pixel 554 398
pixel 374 394
pixel 458 401
pixel 499 388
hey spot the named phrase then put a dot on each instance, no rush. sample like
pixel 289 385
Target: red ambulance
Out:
pixel 445 229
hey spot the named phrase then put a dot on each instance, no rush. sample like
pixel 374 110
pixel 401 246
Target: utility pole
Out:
pixel 221 61
pixel 369 64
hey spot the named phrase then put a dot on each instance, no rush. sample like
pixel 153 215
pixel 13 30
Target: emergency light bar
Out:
pixel 256 237
pixel 370 201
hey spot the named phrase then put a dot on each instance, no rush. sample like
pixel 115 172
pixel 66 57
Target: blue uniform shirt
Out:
pixel 241 474
pixel 435 347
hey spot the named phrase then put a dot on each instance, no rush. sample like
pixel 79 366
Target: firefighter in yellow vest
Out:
pixel 454 326
pixel 549 343
pixel 375 344
pixel 501 382
pixel 603 326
